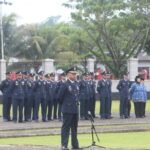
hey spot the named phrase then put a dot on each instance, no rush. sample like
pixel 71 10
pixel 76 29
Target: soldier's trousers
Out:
pixel 42 102
pixel 6 107
pixel 55 106
pixel 124 105
pixel 105 107
pixel 70 122
pixel 49 109
pixel 17 104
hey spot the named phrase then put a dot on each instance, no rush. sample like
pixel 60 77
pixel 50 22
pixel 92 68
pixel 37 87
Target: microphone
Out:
pixel 90 116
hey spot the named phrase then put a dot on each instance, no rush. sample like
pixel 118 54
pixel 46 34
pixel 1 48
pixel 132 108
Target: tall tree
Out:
pixel 118 29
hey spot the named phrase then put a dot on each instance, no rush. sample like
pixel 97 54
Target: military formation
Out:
pixel 31 94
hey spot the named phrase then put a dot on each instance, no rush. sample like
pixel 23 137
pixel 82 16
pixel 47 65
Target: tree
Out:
pixel 9 29
pixel 118 29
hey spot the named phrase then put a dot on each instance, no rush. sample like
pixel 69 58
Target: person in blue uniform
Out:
pixel 17 89
pixel 69 93
pixel 104 90
pixel 26 96
pixel 7 101
pixel 49 97
pixel 54 97
pixel 30 97
pixel 84 96
pixel 59 84
pixel 123 87
pixel 92 85
pixel 40 97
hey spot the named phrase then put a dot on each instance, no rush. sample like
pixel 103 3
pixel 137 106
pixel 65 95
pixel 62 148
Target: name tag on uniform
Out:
pixel 70 89
pixel 16 83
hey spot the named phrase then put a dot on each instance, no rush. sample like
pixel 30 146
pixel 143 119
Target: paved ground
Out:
pixel 10 129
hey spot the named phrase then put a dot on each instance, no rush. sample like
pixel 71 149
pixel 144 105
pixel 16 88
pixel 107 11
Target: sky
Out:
pixel 34 11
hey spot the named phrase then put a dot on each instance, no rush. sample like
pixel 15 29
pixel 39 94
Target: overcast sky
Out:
pixel 31 11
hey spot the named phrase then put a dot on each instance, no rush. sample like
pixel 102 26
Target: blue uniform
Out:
pixel 4 87
pixel 40 98
pixel 30 100
pixel 104 90
pixel 69 93
pixel 92 101
pixel 17 89
pixel 123 87
pixel 55 102
pixel 59 84
pixel 84 98
pixel 49 99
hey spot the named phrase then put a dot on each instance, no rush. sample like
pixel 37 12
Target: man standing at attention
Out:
pixel 69 93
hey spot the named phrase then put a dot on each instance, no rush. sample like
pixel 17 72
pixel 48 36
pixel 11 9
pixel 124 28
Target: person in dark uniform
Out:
pixel 104 90
pixel 123 87
pixel 54 97
pixel 17 89
pixel 92 85
pixel 7 101
pixel 30 97
pixel 59 84
pixel 40 96
pixel 49 97
pixel 84 96
pixel 69 93
pixel 26 96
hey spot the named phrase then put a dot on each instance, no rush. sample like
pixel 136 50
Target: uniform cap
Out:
pixel 63 74
pixel 85 74
pixel 25 72
pixel 18 72
pixel 32 74
pixel 72 70
pixel 47 75
pixel 52 74
pixel 41 73
pixel 91 73
pixel 7 73
pixel 103 73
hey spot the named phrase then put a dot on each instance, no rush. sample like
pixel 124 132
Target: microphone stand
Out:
pixel 93 131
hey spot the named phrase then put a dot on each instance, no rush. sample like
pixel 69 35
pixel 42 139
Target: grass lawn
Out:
pixel 110 140
pixel 115 107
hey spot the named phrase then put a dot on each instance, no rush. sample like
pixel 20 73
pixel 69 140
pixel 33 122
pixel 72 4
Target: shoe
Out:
pixel 75 148
pixel 122 117
pixel 109 117
pixel 64 148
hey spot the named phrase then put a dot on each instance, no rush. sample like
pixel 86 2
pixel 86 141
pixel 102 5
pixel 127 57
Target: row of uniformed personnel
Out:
pixel 25 95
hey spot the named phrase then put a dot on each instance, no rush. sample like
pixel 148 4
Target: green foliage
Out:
pixel 118 29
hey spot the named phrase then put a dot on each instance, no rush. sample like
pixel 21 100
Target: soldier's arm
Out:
pixel 119 86
pixel 2 86
pixel 98 86
pixel 61 93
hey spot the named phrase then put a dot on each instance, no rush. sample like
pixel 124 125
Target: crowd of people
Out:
pixel 67 99
pixel 29 92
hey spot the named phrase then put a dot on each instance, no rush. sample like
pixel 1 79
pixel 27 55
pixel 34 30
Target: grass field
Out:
pixel 113 140
pixel 110 140
pixel 115 107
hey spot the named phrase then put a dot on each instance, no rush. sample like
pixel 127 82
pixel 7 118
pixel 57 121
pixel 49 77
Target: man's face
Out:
pixel 19 76
pixel 72 76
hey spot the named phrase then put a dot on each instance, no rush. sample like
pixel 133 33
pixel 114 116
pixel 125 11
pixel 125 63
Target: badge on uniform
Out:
pixel 107 83
pixel 39 83
pixel 103 83
pixel 22 82
pixel 16 83
pixel 78 88
pixel 70 88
